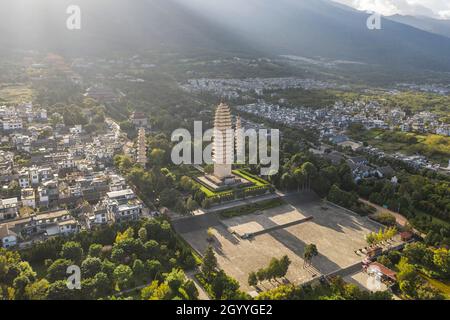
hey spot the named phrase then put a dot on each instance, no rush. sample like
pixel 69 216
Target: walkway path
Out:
pixel 400 219
pixel 202 295
pixel 235 204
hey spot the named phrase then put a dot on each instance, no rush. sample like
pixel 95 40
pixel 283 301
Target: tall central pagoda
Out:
pixel 223 142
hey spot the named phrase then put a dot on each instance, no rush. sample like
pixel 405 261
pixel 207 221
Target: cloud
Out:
pixel 439 9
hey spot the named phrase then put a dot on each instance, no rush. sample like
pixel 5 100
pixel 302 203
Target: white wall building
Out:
pixel 12 124
pixel 8 238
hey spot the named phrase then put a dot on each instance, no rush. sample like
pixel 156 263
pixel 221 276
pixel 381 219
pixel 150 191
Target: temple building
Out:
pixel 240 142
pixel 223 142
pixel 141 152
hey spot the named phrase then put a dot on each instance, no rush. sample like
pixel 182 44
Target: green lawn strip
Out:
pixel 252 208
pixel 252 178
pixel 210 194
pixel 207 192
pixel 442 286
pixel 258 182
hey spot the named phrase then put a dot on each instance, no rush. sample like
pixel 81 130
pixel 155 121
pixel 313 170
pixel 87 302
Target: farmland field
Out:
pixel 434 147
pixel 15 94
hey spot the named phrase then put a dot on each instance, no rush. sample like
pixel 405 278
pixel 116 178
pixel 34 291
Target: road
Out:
pixel 400 219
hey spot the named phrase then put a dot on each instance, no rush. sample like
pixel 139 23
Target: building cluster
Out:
pixel 97 203
pixel 102 93
pixel 332 120
pixel 428 88
pixel 237 88
pixel 57 180
pixel 14 118
pixel 59 206
pixel 425 122
pixel 360 167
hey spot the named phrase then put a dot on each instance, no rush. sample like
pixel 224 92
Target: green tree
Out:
pixel 19 285
pixel 103 284
pixel 148 291
pixel 309 253
pixel 224 287
pixel 123 275
pixel 407 278
pixel 252 279
pixel 108 268
pixel 142 233
pixel 37 290
pixel 191 205
pixel 162 292
pixel 175 279
pixel 90 267
pixel 191 290
pixel 138 269
pixel 158 157
pixel 441 259
pixel 284 263
pixel 209 264
pixel 310 171
pixel 153 268
pixel 58 291
pixel 72 251
pixel 126 235
pixel 58 270
pixel 186 183
pixel 95 250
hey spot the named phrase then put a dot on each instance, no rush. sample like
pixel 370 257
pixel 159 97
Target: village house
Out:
pixel 123 205
pixel 334 157
pixel 99 215
pixel 11 124
pixel 42 225
pixel 28 197
pixel 8 238
pixel 139 119
pixel 9 208
pixel 48 193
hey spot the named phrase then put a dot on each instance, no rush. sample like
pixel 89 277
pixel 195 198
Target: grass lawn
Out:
pixel 207 192
pixel 442 286
pixel 257 181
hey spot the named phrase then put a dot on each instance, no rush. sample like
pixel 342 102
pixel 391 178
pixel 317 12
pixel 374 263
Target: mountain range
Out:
pixel 441 27
pixel 308 28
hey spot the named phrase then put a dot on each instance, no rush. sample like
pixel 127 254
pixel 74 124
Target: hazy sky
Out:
pixel 433 8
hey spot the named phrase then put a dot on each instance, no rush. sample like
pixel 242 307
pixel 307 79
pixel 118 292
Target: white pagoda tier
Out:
pixel 223 142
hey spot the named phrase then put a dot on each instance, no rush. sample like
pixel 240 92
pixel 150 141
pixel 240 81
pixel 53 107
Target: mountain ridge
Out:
pixel 310 28
pixel 440 27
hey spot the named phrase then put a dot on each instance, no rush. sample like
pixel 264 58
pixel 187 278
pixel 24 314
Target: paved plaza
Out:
pixel 335 232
